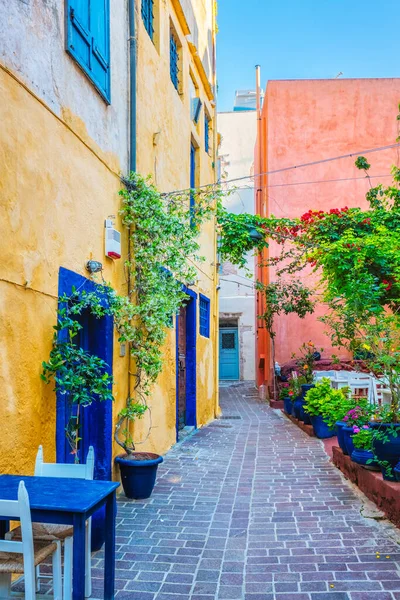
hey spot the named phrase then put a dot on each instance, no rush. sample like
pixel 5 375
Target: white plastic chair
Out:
pixel 33 553
pixel 44 531
pixel 382 393
pixel 361 387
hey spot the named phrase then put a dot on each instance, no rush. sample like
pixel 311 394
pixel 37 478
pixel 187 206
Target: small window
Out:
pixel 204 316
pixel 206 133
pixel 88 40
pixel 174 59
pixel 148 17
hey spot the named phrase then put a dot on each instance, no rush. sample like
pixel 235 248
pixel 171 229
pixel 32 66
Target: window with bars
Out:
pixel 148 17
pixel 206 133
pixel 204 316
pixel 174 59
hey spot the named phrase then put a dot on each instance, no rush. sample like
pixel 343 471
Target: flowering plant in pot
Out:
pixel 305 364
pixel 355 419
pixel 295 392
pixel 286 395
pixel 363 452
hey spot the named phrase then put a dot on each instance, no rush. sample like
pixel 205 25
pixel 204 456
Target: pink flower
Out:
pixel 346 418
pixel 365 426
pixel 356 429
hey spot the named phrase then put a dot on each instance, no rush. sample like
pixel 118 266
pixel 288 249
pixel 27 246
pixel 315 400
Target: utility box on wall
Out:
pixel 112 240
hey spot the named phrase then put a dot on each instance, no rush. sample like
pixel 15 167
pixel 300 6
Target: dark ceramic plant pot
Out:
pixel 396 472
pixel 340 436
pixel 287 405
pixel 296 407
pixel 348 433
pixel 361 457
pixel 387 451
pixel 138 474
pixel 321 429
pixel 303 415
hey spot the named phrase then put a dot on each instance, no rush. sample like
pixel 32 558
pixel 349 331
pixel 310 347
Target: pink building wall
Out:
pixel 306 121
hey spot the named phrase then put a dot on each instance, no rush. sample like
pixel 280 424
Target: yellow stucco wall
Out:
pixel 56 188
pixel 55 193
pixel 164 134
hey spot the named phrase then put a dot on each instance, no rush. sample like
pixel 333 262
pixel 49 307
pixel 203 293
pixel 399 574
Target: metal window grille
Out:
pixel 174 60
pixel 204 316
pixel 148 16
pixel 206 134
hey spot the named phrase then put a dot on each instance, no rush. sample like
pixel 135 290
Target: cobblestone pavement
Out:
pixel 251 508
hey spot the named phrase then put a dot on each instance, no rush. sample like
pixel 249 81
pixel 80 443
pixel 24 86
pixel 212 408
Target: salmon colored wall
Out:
pixel 310 120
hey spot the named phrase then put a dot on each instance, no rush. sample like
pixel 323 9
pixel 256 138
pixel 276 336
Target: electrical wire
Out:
pixel 284 169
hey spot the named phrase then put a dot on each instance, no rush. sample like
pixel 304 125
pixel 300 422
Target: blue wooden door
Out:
pixel 229 354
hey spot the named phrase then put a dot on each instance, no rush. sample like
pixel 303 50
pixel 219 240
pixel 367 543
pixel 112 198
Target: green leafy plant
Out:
pixel 362 439
pixel 76 373
pixel 323 400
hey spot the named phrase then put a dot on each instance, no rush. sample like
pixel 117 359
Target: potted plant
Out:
pixel 295 393
pixel 305 366
pixel 138 469
pixel 355 419
pixel 286 395
pixel 318 403
pixel 363 453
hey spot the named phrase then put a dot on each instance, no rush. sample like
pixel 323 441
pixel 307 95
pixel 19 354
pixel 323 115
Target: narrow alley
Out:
pixel 251 508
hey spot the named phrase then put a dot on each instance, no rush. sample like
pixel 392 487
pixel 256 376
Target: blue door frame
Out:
pixel 191 360
pixel 97 422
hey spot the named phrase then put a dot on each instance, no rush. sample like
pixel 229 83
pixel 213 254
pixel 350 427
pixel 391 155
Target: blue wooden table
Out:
pixel 70 502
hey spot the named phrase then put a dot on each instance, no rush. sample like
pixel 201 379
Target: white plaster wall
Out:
pixel 32 45
pixel 236 296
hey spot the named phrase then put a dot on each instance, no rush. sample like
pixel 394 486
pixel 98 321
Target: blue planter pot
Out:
pixel 321 429
pixel 388 451
pixel 296 407
pixel 340 437
pixel 138 474
pixel 396 472
pixel 304 389
pixel 287 405
pixel 305 417
pixel 348 433
pixel 361 457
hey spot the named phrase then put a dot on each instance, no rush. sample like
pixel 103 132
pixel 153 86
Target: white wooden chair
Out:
pixel 382 393
pixel 64 533
pixel 23 556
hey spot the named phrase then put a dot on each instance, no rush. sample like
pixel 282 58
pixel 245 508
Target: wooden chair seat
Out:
pixel 45 532
pixel 11 562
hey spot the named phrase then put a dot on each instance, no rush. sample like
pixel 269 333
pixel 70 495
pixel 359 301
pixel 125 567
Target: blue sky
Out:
pixel 301 39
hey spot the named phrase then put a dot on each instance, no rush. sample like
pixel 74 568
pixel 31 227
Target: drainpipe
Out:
pixel 132 90
pixel 132 128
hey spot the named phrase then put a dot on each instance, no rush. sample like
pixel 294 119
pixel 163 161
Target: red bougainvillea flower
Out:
pixel 388 284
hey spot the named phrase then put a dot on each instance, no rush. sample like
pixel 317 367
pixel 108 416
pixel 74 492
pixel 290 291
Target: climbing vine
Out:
pixel 163 257
pixel 77 373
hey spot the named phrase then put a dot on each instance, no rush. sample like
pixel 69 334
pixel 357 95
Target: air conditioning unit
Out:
pixel 112 240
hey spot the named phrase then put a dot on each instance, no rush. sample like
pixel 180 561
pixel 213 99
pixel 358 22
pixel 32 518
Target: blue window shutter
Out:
pixel 204 316
pixel 174 60
pixel 88 40
pixel 206 134
pixel 148 16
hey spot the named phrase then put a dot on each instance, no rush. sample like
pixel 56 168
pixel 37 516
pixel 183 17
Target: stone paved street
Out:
pixel 251 508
